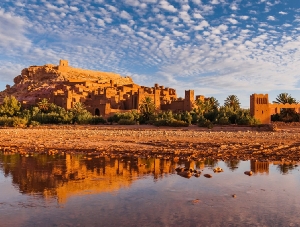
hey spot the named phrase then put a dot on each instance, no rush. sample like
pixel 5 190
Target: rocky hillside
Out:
pixel 38 81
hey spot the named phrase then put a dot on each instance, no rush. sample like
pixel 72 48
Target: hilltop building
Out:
pixel 105 98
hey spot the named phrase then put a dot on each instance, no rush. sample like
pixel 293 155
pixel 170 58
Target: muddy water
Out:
pixel 80 190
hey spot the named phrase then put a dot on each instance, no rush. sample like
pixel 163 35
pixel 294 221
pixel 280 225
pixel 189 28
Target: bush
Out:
pixel 162 122
pixel 247 120
pixel 19 122
pixel 176 123
pixel 83 118
pixel 224 121
pixel 126 122
pixel 118 116
pixel 172 123
pixel 6 121
pixel 211 115
pixel 34 123
pixel 10 107
pixel 95 120
pixel 205 123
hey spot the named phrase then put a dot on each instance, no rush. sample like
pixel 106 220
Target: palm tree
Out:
pixel 233 102
pixel 287 114
pixel 43 105
pixel 214 103
pixel 147 108
pixel 206 105
pixel 78 108
pixel 285 98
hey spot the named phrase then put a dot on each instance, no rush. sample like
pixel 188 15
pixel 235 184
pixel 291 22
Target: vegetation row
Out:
pixel 206 113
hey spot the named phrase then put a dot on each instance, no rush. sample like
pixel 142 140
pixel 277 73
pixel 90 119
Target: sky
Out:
pixel 215 47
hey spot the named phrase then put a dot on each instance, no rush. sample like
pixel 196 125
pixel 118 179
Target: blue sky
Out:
pixel 216 47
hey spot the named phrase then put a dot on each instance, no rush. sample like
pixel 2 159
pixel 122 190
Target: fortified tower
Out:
pixel 63 65
pixel 189 100
pixel 259 108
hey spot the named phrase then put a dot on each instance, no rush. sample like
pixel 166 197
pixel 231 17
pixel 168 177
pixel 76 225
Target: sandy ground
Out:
pixel 188 143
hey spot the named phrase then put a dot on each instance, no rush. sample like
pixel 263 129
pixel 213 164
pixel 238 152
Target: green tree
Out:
pixel 147 109
pixel 206 105
pixel 10 106
pixel 285 98
pixel 287 114
pixel 233 102
pixel 43 105
pixel 78 108
pixel 80 114
pixel 213 102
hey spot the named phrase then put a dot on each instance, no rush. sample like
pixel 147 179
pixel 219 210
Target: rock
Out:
pixel 249 173
pixel 186 174
pixel 218 170
pixel 208 175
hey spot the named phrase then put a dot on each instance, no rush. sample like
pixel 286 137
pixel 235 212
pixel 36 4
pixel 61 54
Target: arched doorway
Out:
pixel 97 112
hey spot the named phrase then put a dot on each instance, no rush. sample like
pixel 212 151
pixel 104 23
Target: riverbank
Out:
pixel 224 143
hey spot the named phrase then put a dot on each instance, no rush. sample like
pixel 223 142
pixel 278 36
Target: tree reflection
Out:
pixel 232 164
pixel 285 168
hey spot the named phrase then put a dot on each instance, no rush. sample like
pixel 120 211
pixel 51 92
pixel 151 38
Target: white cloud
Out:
pixel 272 18
pixel 282 13
pixel 202 25
pixel 215 2
pixel 167 6
pixel 132 2
pixel 233 6
pixel 197 16
pixel 125 15
pixel 12 31
pixel 101 22
pixel 244 17
pixel 232 20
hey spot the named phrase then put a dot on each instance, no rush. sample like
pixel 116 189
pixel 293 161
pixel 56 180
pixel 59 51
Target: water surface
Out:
pixel 82 190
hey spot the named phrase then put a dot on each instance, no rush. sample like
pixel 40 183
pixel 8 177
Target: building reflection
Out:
pixel 63 176
pixel 67 175
pixel 259 166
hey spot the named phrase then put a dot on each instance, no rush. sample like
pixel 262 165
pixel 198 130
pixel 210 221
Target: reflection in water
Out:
pixel 145 191
pixel 286 167
pixel 232 164
pixel 259 167
pixel 65 175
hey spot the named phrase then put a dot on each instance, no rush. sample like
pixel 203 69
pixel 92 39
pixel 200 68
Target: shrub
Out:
pixel 118 116
pixel 247 120
pixel 172 123
pixel 10 106
pixel 162 122
pixel 176 123
pixel 83 118
pixel 95 120
pixel 224 121
pixel 205 123
pixel 34 123
pixel 126 122
pixel 19 122
pixel 6 121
